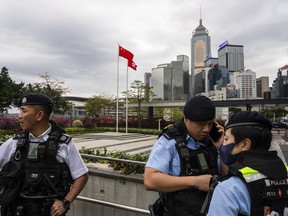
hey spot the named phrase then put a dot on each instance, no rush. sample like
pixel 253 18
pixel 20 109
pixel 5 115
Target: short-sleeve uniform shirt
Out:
pixel 164 156
pixel 66 153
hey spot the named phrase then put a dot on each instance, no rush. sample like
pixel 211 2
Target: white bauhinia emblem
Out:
pixel 24 100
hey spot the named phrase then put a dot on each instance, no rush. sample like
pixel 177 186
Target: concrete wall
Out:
pixel 112 186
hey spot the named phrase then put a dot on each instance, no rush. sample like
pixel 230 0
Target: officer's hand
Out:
pixel 57 208
pixel 220 141
pixel 203 182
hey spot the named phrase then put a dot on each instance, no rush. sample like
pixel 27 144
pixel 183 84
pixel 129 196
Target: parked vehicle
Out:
pixel 278 125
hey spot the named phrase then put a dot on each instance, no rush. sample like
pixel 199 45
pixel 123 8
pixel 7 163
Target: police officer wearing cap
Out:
pixel 53 170
pixel 183 160
pixel 256 183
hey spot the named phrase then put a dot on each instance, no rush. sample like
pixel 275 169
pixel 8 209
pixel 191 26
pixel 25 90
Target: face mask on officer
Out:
pixel 226 155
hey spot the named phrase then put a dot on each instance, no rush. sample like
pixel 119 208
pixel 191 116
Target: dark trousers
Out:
pixel 28 209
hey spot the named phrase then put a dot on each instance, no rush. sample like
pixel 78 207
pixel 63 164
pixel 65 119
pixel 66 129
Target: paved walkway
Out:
pixel 133 143
pixel 279 144
pixel 130 143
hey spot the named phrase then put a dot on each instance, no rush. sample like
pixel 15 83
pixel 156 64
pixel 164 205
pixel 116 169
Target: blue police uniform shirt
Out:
pixel 164 156
pixel 230 197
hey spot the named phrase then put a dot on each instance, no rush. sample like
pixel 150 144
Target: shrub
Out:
pixel 9 122
pixel 89 122
pixel 62 122
pixel 4 135
pixel 123 167
pixel 77 123
pixel 74 130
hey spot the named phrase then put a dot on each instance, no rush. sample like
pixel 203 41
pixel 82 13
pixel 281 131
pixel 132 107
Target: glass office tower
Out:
pixel 200 50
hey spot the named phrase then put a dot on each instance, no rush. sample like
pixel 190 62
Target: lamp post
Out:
pixel 159 124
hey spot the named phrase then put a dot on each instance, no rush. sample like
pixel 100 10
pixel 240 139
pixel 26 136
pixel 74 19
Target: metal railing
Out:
pixel 111 204
pixel 114 205
pixel 141 163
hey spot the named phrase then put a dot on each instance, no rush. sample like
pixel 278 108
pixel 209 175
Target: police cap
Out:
pixel 35 99
pixel 248 118
pixel 199 108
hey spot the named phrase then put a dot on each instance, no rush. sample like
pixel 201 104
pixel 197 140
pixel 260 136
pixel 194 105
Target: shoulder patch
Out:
pixel 64 138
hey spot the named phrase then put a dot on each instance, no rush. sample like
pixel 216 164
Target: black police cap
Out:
pixel 35 99
pixel 248 118
pixel 199 108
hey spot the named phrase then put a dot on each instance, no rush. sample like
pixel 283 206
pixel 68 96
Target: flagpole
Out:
pixel 117 99
pixel 127 100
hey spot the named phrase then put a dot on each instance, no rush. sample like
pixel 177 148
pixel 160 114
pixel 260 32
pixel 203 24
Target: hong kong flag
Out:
pixel 132 65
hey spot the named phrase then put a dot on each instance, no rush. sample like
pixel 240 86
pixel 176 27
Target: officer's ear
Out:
pixel 40 115
pixel 246 144
pixel 185 120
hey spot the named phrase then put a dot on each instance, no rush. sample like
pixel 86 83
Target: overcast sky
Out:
pixel 76 41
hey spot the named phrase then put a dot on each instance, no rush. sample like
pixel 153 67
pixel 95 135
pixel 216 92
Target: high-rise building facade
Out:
pixel 161 82
pixel 200 50
pixel 170 81
pixel 231 57
pixel 245 81
pixel 147 77
pixel 211 77
pixel 280 84
pixel 180 73
pixel 262 86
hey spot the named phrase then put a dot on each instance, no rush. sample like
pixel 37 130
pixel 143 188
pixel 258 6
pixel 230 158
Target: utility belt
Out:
pixel 34 209
pixel 38 198
pixel 34 205
pixel 31 207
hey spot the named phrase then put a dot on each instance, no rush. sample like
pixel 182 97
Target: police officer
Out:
pixel 53 170
pixel 182 161
pixel 257 182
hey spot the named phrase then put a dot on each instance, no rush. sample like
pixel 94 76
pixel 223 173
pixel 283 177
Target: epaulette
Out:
pixel 234 169
pixel 165 132
pixel 171 132
pixel 64 138
pixel 19 135
pixel 21 138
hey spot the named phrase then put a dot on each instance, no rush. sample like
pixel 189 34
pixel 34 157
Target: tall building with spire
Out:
pixel 200 50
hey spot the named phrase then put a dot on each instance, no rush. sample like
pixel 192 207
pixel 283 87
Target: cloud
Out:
pixel 77 41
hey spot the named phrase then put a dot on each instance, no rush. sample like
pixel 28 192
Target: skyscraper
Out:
pixel 245 81
pixel 280 84
pixel 231 57
pixel 169 81
pixel 200 50
pixel 262 86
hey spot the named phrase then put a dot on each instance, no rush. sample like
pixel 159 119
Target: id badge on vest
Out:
pixel 33 151
pixel 202 162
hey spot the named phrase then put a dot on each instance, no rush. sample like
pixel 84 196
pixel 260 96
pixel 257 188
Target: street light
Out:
pixel 159 124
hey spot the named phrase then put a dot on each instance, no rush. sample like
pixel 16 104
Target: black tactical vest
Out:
pixel 44 177
pixel 267 195
pixel 193 162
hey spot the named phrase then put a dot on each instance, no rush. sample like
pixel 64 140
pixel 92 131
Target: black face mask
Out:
pixel 225 154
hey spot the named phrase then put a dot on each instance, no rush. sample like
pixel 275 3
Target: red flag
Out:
pixel 125 53
pixel 132 65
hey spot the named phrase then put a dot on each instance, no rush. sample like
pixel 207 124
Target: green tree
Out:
pixel 97 105
pixel 168 113
pixel 54 89
pixel 274 114
pixel 233 110
pixel 10 91
pixel 139 93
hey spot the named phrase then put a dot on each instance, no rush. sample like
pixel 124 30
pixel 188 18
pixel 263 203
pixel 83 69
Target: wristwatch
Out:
pixel 66 203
